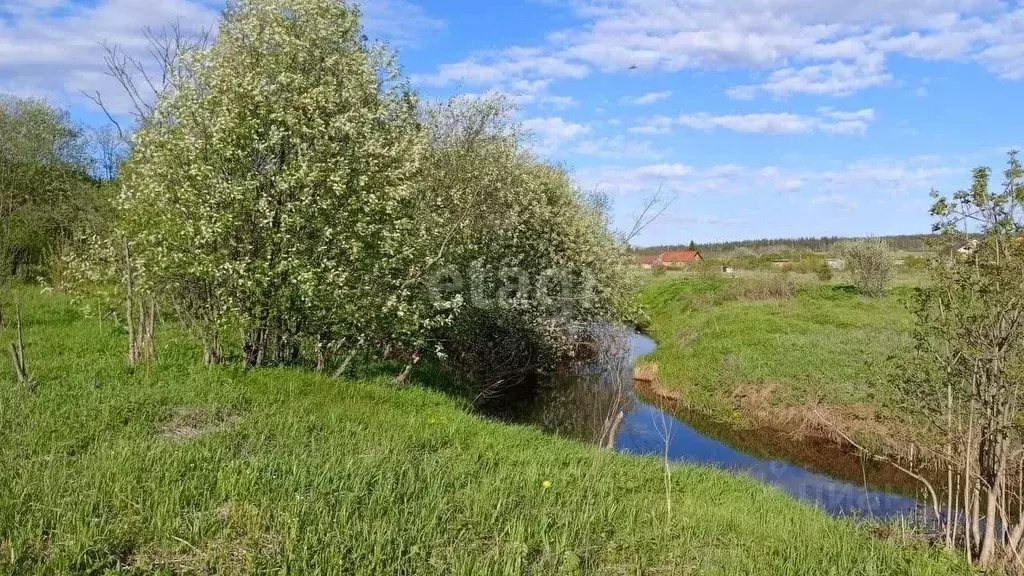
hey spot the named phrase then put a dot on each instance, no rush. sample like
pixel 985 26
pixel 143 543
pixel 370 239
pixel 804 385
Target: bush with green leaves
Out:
pixel 961 384
pixel 523 251
pixel 824 272
pixel 870 264
pixel 274 188
pixel 293 190
pixel 47 196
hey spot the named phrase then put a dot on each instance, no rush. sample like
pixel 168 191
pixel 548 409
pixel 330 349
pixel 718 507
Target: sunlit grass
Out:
pixel 183 469
pixel 826 343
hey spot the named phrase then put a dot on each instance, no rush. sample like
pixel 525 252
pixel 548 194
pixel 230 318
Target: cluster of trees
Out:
pixel 48 195
pixel 289 197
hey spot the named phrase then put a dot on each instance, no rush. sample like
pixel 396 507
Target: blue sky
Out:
pixel 761 117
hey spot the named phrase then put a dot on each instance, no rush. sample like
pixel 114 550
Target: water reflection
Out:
pixel 586 406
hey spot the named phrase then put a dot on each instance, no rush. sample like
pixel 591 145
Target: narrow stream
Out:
pixel 583 405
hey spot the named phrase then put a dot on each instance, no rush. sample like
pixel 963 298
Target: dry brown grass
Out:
pixel 645 372
pixel 817 419
pixel 645 379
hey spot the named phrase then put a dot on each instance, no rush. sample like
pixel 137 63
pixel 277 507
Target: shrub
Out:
pixel 962 377
pixel 271 194
pixel 47 197
pixel 526 257
pixel 870 264
pixel 770 286
pixel 915 263
pixel 824 272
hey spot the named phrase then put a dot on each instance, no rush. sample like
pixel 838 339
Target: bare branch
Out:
pixel 654 207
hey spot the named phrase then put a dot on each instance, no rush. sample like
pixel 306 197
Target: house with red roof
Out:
pixel 672 259
pixel 648 262
pixel 680 258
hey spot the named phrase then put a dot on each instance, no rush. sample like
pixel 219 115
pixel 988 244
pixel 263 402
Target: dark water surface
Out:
pixel 584 406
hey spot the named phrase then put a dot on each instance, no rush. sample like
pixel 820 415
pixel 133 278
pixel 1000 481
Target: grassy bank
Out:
pixel 183 469
pixel 729 352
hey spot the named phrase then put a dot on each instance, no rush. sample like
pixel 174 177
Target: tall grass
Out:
pixel 770 286
pixel 181 469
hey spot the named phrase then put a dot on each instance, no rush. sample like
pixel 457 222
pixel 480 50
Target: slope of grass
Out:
pixel 826 343
pixel 180 469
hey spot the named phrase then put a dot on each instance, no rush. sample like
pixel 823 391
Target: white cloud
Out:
pixel 840 201
pixel 656 171
pixel 53 48
pixel 559 102
pixel 504 66
pixel 896 176
pixel 553 133
pixel 837 78
pixel 828 121
pixel 794 46
pixel 847 187
pixel 528 92
pixel 650 98
pixel 1004 53
pixel 783 123
pixel 653 126
pixel 617 147
pixel 555 128
pixel 56 51
pixel 866 115
pixel 399 21
pixel 741 92
pixel 674 177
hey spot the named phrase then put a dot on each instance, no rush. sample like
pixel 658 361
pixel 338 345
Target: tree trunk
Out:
pixel 404 375
pixel 129 304
pixel 212 353
pixel 255 347
pixel 988 540
pixel 17 348
pixel 147 326
pixel 613 431
pixel 320 359
pixel 345 364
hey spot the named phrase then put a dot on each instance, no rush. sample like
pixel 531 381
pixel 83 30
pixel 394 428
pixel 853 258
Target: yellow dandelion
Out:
pixel 546 484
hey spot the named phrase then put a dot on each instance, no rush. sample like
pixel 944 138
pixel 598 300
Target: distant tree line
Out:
pixel 905 242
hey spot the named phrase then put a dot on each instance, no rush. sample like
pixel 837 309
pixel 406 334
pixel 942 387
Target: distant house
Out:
pixel 648 262
pixel 680 258
pixel 671 259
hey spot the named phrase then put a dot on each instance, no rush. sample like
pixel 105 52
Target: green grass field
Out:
pixel 181 469
pixel 823 345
